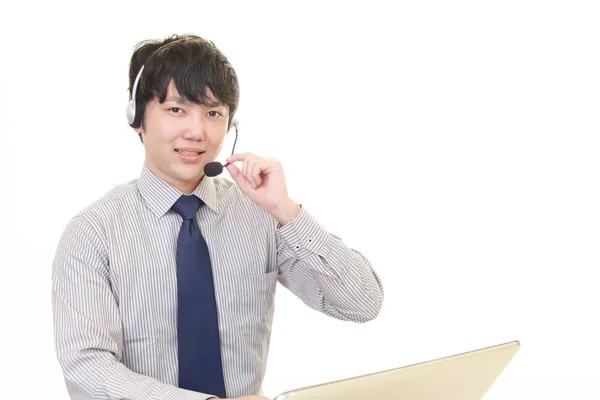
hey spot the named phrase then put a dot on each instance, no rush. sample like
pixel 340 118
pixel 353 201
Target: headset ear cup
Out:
pixel 134 116
pixel 137 121
pixel 232 124
pixel 133 108
pixel 130 113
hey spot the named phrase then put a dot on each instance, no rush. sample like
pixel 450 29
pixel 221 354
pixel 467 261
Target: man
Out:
pixel 164 288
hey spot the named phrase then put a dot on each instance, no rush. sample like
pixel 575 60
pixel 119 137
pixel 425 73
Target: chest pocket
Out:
pixel 248 311
pixel 257 294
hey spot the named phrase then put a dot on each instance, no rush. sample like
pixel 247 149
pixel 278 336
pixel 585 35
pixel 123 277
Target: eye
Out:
pixel 175 110
pixel 214 113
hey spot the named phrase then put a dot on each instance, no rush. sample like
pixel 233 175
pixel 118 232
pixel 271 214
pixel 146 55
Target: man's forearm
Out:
pixel 329 276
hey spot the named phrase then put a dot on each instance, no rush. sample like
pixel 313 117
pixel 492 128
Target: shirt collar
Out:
pixel 160 195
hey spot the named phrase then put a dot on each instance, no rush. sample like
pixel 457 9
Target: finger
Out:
pixel 257 168
pixel 237 176
pixel 247 169
pixel 254 171
pixel 251 174
pixel 234 171
pixel 238 157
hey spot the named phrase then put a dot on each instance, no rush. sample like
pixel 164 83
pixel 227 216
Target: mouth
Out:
pixel 189 153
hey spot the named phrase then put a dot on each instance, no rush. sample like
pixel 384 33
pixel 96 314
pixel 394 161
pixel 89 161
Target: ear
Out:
pixel 138 130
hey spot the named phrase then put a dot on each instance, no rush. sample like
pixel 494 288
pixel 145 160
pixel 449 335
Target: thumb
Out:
pixel 235 173
pixel 233 170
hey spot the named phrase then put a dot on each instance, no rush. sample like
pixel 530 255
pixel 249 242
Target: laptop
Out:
pixel 464 376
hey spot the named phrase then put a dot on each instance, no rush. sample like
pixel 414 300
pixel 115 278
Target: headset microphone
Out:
pixel 215 168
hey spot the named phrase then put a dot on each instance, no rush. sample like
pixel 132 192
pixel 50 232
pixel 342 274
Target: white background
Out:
pixel 455 143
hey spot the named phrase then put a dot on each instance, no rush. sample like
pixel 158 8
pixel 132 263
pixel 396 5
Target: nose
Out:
pixel 194 127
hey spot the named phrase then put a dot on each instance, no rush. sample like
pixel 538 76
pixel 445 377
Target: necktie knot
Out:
pixel 187 206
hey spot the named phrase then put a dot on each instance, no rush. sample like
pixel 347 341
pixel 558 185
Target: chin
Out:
pixel 188 173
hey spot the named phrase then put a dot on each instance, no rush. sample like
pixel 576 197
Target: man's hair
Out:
pixel 193 63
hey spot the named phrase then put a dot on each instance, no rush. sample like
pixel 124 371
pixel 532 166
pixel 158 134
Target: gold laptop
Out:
pixel 465 376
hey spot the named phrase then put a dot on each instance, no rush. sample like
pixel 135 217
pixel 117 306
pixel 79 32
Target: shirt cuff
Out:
pixel 304 236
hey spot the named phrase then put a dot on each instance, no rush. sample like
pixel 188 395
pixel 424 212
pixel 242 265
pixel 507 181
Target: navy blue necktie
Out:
pixel 199 348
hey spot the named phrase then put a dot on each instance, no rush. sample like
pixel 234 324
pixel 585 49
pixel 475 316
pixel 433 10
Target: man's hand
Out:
pixel 262 180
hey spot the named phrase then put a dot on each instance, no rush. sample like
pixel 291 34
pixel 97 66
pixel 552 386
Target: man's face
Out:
pixel 181 137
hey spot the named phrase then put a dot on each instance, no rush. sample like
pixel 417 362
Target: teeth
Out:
pixel 188 153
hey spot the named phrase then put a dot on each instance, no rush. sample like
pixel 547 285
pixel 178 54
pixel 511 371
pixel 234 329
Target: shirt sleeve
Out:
pixel 327 275
pixel 87 328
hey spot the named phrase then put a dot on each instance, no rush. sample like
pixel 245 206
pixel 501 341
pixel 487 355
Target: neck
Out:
pixel 186 187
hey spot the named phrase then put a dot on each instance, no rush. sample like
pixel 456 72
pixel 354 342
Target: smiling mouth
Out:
pixel 189 153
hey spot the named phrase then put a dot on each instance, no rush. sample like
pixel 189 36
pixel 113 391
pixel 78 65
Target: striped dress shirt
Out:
pixel 114 289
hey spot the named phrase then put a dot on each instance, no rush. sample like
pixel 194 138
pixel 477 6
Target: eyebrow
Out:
pixel 181 100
